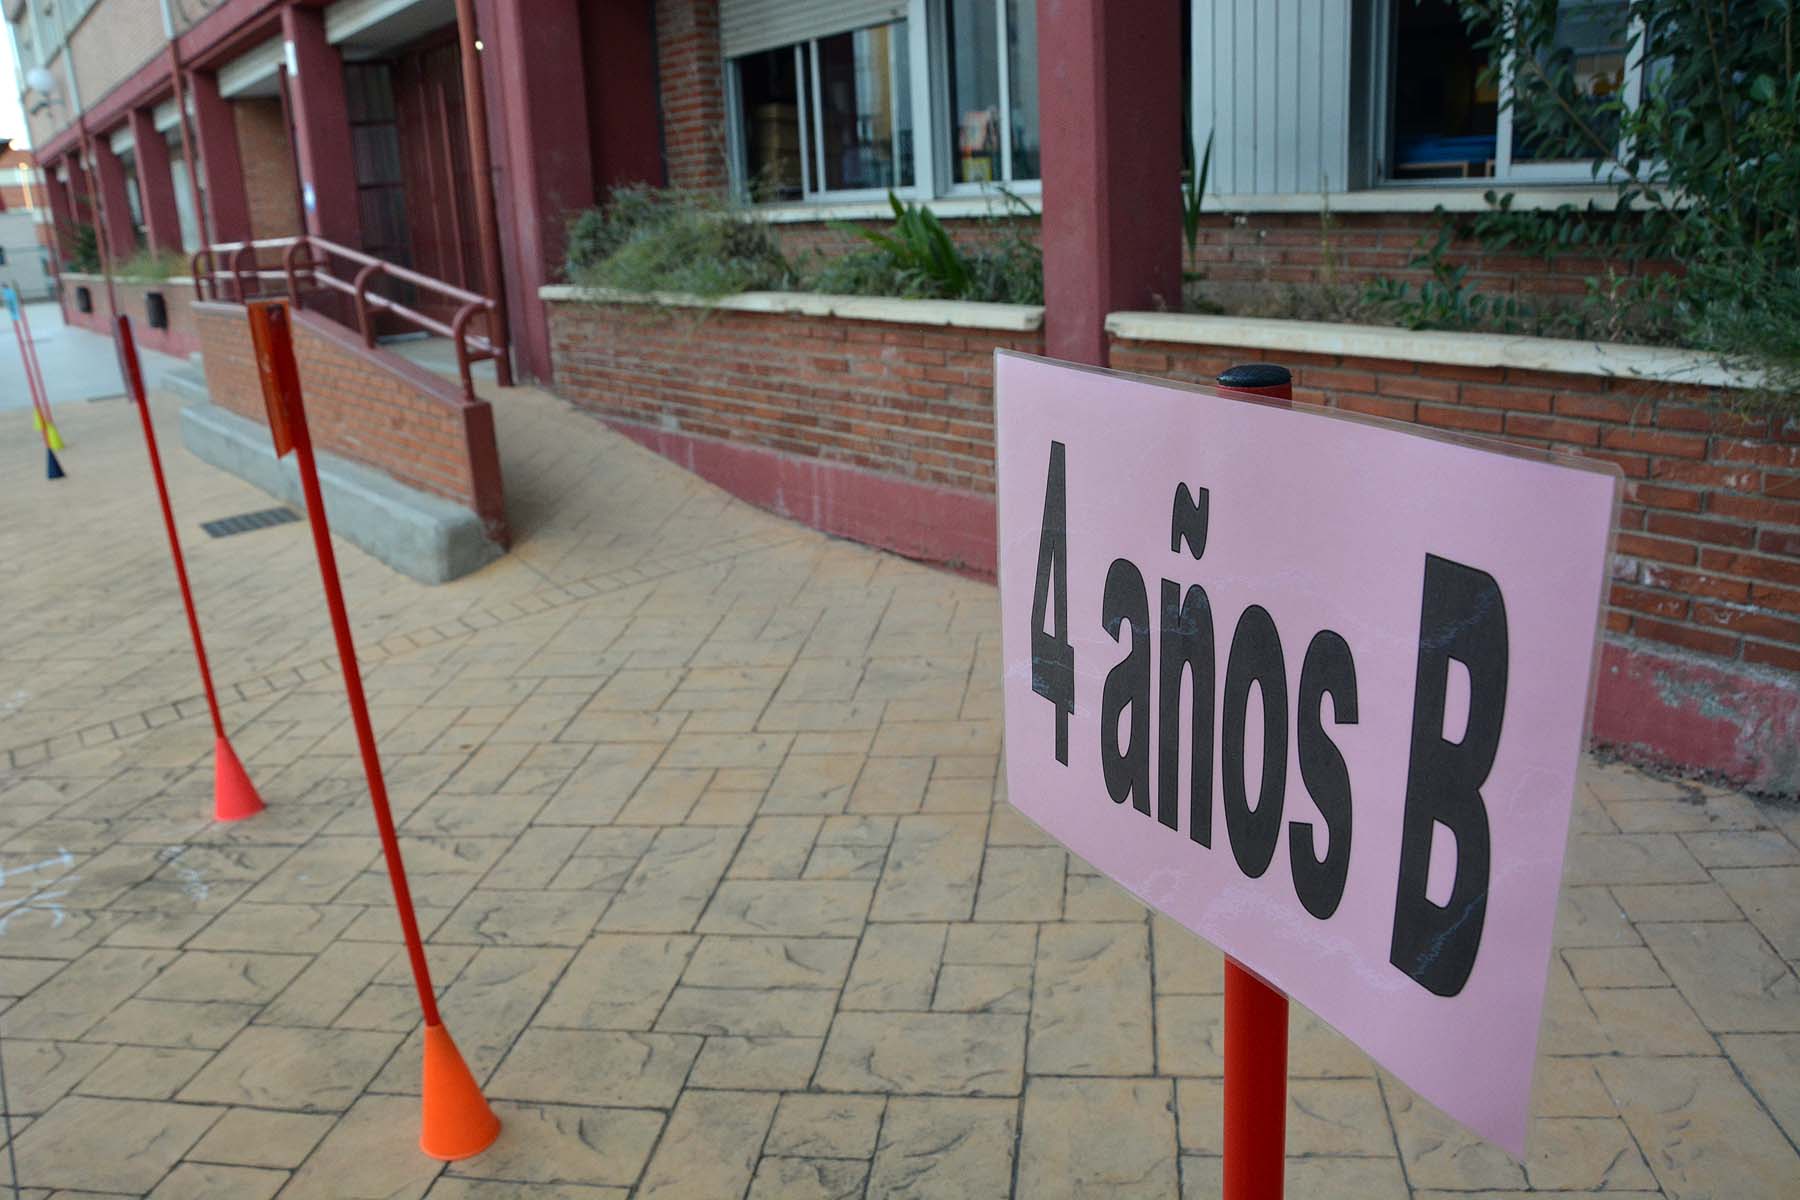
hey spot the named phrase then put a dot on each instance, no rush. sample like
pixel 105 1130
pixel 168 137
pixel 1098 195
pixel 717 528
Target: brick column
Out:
pixel 1109 86
pixel 109 177
pixel 156 187
pixel 321 115
pixel 221 165
pixel 537 118
pixel 691 68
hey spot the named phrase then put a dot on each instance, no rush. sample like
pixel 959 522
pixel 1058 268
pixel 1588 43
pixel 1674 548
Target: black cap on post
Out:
pixel 1253 376
pixel 1259 379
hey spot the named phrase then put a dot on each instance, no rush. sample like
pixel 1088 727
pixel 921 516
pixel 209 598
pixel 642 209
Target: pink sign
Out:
pixel 1379 648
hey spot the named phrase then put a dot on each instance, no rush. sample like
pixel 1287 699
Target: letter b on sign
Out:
pixel 1464 618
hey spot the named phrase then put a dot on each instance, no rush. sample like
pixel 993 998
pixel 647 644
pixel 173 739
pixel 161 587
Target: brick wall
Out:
pixel 799 239
pixel 691 75
pixel 1234 250
pixel 113 40
pixel 268 160
pixel 369 406
pixel 893 425
pixel 1709 534
pixel 181 338
pixel 903 413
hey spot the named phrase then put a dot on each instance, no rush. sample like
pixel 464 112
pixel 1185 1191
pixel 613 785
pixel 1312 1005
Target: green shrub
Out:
pixel 652 240
pixel 153 265
pixel 1709 176
pixel 917 258
pixel 84 250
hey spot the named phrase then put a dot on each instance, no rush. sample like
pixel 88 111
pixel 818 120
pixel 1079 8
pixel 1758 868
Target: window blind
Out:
pixel 747 26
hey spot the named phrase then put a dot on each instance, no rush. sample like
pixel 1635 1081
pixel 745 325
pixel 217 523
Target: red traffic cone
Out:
pixel 234 796
pixel 456 1122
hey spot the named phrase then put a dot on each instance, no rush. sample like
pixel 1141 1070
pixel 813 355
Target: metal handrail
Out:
pixel 306 259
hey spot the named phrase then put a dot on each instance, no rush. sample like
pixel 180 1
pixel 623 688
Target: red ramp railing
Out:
pixel 235 271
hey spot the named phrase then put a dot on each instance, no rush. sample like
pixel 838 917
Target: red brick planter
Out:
pixel 838 414
pixel 868 418
pixel 1701 666
pixel 179 338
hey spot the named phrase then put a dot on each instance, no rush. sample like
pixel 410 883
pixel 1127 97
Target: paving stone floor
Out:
pixel 705 825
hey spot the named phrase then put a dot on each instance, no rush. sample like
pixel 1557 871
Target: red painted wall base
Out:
pixel 1662 706
pixel 936 524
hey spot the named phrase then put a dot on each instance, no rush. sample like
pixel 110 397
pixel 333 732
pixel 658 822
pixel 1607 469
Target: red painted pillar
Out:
pixel 156 186
pixel 322 141
pixel 538 117
pixel 62 210
pixel 1109 82
pixel 222 166
pixel 115 205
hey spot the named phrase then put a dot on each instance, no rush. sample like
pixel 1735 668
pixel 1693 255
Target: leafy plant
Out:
pixel 918 245
pixel 153 265
pixel 1705 165
pixel 918 258
pixel 653 240
pixel 1446 300
pixel 84 250
pixel 1193 194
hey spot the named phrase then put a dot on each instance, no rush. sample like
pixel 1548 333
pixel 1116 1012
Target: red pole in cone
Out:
pixel 456 1121
pixel 234 796
pixel 1256 1015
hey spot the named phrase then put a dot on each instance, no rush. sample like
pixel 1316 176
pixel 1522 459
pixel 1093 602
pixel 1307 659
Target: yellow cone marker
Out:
pixel 52 438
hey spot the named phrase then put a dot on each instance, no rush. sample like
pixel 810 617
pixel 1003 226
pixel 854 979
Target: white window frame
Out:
pixel 941 86
pixel 811 122
pixel 928 86
pixel 1506 171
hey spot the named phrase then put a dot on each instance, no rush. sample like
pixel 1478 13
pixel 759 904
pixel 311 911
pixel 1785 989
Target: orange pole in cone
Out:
pixel 456 1121
pixel 234 796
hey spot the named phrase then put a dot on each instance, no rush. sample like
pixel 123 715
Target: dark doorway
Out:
pixel 440 208
pixel 380 180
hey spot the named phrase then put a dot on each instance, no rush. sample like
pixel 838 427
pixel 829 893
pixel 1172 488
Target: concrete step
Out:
pixel 186 383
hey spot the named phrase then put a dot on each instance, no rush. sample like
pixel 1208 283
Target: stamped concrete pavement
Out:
pixel 724 899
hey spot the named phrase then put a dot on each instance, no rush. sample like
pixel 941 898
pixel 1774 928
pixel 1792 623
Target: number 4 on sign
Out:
pixel 1052 657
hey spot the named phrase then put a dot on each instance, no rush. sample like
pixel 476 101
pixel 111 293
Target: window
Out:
pixel 837 115
pixel 185 212
pixel 991 53
pixel 830 115
pixel 1448 122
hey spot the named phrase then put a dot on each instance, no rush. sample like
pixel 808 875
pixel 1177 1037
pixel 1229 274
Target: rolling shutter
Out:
pixel 746 26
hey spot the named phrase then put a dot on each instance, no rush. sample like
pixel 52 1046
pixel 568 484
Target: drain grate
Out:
pixel 245 522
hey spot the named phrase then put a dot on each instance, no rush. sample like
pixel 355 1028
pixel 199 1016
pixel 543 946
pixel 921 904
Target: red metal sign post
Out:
pixel 1256 1015
pixel 234 796
pixel 456 1120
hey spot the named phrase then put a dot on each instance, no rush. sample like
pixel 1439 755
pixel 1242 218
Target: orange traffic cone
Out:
pixel 234 796
pixel 457 1121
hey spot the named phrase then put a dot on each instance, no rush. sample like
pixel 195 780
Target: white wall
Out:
pixel 26 266
pixel 1272 81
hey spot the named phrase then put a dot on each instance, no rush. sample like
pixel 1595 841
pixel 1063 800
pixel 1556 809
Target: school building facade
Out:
pixel 1338 129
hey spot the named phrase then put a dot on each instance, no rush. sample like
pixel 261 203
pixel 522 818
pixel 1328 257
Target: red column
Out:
pixel 1109 82
pixel 222 167
pixel 62 210
pixel 156 187
pixel 322 128
pixel 538 118
pixel 109 177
